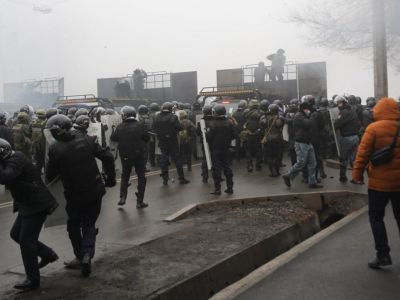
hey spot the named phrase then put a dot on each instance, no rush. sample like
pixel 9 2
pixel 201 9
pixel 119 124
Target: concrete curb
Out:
pixel 264 271
pixel 312 199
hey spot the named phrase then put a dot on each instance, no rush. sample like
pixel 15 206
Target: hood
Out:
pixel 386 109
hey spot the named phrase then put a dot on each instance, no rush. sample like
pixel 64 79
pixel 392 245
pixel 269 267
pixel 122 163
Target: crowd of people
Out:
pixel 259 131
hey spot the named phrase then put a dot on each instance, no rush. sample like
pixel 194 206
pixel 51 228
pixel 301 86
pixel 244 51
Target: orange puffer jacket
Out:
pixel 386 177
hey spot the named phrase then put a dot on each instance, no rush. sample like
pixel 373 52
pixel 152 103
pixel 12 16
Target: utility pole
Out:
pixel 380 52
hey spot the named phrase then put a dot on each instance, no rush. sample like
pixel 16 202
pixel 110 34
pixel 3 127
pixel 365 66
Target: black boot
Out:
pixel 183 181
pixel 139 202
pixel 229 190
pixel 380 262
pixel 217 192
pixel 165 179
pixel 27 285
pixel 86 265
pixel 249 167
pixel 48 260
pixel 74 264
pixel 122 200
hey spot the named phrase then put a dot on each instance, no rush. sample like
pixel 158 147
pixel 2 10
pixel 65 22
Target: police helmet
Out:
pixel 59 125
pixel 5 150
pixel 264 104
pixel 196 106
pixel 154 107
pixel 128 113
pixel 82 122
pixel 351 99
pixel 324 102
pixel 72 111
pixel 371 102
pixel 280 51
pixel 310 99
pixel 110 111
pixel 340 99
pixel 207 110
pixel 294 102
pixel 25 109
pixel 274 108
pixel 254 104
pixel 143 110
pixel 358 100
pixel 242 104
pixel 219 110
pixel 167 106
pixel 81 112
pixel 187 106
pixel 3 118
pixel 278 102
pixel 51 112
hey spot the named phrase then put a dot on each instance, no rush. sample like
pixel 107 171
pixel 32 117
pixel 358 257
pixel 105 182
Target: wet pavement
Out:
pixel 336 268
pixel 123 227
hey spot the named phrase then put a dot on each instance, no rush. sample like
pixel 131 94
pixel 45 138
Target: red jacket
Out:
pixel 386 177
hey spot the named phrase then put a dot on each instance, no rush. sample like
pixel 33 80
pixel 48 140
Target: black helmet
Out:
pixel 167 106
pixel 278 102
pixel 143 110
pixel 371 102
pixel 324 102
pixel 352 99
pixel 274 108
pixel 3 118
pixel 187 106
pixel 81 112
pixel 25 109
pixel 358 100
pixel 310 99
pixel 72 111
pixel 5 150
pixel 51 112
pixel 154 107
pixel 196 106
pixel 242 104
pixel 294 101
pixel 110 111
pixel 128 113
pixel 220 110
pixel 207 110
pixel 59 125
pixel 82 122
pixel 264 104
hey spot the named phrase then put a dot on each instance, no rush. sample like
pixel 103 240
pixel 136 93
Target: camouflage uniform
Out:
pixel 38 140
pixel 22 135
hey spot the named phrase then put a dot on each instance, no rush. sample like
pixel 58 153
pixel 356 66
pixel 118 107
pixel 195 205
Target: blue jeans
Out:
pixel 348 148
pixel 305 155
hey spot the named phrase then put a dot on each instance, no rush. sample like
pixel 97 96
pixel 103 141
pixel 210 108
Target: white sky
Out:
pixel 83 40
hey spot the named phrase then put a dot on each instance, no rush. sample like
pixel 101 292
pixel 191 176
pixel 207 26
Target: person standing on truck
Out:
pixel 138 82
pixel 278 61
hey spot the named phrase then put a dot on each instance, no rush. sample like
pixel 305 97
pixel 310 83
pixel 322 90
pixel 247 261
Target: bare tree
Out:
pixel 347 26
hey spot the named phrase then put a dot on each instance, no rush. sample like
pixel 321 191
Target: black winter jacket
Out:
pixel 303 128
pixel 220 134
pixel 348 122
pixel 131 137
pixel 6 133
pixel 166 126
pixel 30 194
pixel 74 161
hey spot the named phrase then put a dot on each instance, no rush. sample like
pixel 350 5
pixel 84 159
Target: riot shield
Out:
pixel 285 132
pixel 334 113
pixel 198 140
pixel 206 146
pixel 110 123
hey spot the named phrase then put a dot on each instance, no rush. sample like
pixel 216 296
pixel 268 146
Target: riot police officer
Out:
pixel 33 202
pixel 251 135
pixel 5 132
pixel 82 124
pixel 238 115
pixel 186 137
pixel 22 135
pixel 368 117
pixel 144 117
pixel 219 136
pixel 132 137
pixel 271 125
pixel 289 114
pixel 166 126
pixel 51 112
pixel 154 109
pixel 72 157
pixel 38 140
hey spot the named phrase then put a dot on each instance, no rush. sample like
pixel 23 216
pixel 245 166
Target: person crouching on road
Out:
pixel 305 156
pixel 219 136
pixel 132 137
pixel 384 179
pixel 33 202
pixel 72 157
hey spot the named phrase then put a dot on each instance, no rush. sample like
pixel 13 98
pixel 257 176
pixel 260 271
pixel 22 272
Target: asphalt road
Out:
pixel 122 227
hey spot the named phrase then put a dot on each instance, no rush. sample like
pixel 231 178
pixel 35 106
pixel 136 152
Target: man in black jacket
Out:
pixel 219 136
pixel 33 202
pixel 166 126
pixel 305 155
pixel 238 115
pixel 132 137
pixel 72 158
pixel 6 133
pixel 349 125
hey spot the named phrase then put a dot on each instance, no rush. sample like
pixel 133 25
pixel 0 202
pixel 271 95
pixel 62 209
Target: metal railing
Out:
pixel 290 72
